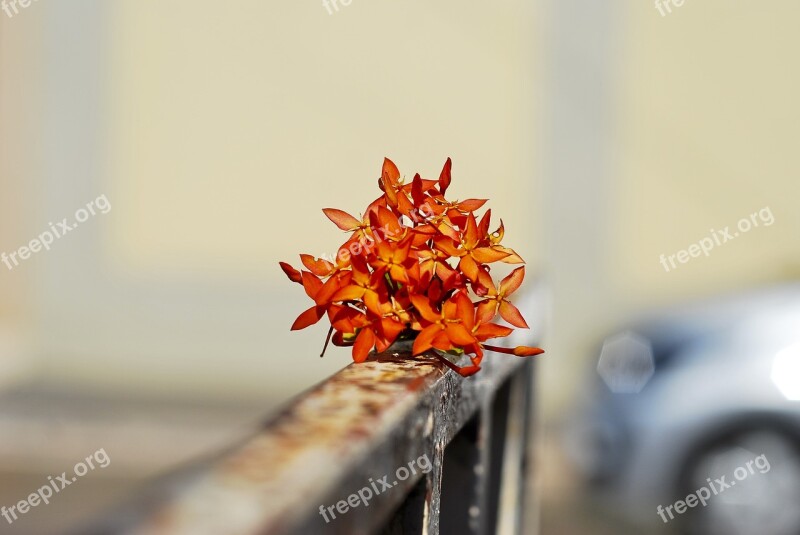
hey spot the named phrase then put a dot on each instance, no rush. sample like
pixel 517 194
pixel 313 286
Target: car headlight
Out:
pixel 786 372
pixel 626 363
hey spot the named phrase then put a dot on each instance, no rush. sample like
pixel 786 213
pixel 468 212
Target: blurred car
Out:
pixel 693 395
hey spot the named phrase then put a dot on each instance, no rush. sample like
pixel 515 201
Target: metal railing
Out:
pixel 436 453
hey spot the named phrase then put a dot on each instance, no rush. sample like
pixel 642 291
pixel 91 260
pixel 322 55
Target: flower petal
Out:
pixel 349 293
pixel 512 258
pixel 319 267
pixel 416 191
pixel 447 246
pixel 424 340
pixel 470 205
pixel 308 318
pixel 400 254
pixel 471 236
pixel 372 300
pixel 342 318
pixel 387 223
pixel 365 341
pixel 469 267
pixel 446 228
pixel 442 342
pixel 391 329
pixel 519 351
pixel 510 284
pixel 398 274
pixel 483 226
pixel 342 219
pixel 487 310
pixel 511 314
pixel 291 272
pixel 423 306
pixel 445 176
pixel 526 351
pixel 458 334
pixel 312 284
pixel 465 310
pixel 331 286
pixel 391 195
pixel 487 255
pixel 390 171
pixel 492 330
pixel 468 371
pixel 497 236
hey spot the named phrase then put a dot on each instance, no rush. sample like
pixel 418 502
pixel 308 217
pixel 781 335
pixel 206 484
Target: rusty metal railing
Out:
pixel 463 446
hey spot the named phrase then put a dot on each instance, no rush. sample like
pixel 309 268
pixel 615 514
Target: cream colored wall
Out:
pixel 218 132
pixel 20 44
pixel 709 129
pixel 233 127
pixel 226 129
pixel 697 124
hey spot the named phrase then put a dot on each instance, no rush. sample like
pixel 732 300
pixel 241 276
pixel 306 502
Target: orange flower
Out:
pixel 394 260
pixel 406 271
pixel 472 254
pixel 446 329
pixel 497 301
pixel 365 286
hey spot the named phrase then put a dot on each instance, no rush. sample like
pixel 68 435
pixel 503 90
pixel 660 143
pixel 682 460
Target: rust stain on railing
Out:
pixel 364 422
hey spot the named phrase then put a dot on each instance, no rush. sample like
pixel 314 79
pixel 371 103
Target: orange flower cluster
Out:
pixel 406 273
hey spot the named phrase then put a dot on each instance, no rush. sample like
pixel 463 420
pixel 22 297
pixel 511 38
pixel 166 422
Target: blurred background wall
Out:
pixel 605 135
pixel 218 133
pixel 656 129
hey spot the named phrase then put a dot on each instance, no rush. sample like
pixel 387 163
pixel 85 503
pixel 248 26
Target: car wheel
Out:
pixel 752 480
